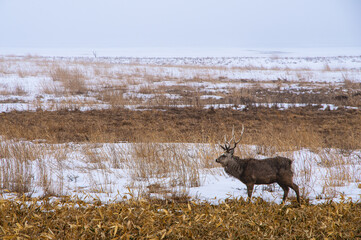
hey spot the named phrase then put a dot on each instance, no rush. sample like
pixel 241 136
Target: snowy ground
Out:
pixel 75 169
pixel 110 173
pixel 28 82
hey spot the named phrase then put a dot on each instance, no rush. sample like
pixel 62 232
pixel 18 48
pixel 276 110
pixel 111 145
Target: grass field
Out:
pixel 125 147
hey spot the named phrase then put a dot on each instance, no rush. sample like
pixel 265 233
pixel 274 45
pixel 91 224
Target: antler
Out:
pixel 237 141
pixel 227 145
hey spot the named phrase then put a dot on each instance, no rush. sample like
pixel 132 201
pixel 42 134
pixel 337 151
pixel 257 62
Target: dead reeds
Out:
pixel 232 219
pixel 73 80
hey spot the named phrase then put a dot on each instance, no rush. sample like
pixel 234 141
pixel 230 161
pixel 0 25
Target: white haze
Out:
pixel 179 24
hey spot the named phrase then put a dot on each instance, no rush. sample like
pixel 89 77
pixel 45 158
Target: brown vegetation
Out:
pixel 303 127
pixel 71 79
pixel 232 219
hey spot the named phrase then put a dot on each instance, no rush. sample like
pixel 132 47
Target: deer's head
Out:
pixel 228 149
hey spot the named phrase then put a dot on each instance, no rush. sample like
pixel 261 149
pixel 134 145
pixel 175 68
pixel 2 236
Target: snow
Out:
pixel 210 96
pixel 24 80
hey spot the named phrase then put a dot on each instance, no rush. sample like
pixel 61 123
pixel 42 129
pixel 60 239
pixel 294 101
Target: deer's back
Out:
pixel 266 171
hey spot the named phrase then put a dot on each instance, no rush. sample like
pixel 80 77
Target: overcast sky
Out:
pixel 180 23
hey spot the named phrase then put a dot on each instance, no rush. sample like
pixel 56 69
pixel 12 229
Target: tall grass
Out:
pixel 73 80
pixel 164 164
pixel 16 173
pixel 27 167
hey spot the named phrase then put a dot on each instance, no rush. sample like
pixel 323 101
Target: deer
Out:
pixel 251 171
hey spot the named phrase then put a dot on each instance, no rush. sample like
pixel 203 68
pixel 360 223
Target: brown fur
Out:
pixel 252 171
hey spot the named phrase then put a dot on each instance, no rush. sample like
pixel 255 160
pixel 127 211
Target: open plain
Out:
pixel 124 142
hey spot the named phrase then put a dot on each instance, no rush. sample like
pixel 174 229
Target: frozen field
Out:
pixel 94 80
pixel 112 172
pixel 34 81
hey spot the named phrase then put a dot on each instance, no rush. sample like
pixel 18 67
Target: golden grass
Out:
pixel 142 219
pixel 73 80
pixel 114 97
pixel 21 160
pixel 15 170
pixel 168 164
pixel 51 88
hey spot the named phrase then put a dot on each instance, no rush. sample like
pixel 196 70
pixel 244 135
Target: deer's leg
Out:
pixel 296 189
pixel 285 192
pixel 249 190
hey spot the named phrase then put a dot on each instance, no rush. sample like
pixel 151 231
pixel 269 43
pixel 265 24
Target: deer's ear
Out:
pixel 231 151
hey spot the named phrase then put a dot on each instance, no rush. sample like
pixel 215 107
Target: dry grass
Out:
pixel 26 166
pixel 155 170
pixel 15 167
pixel 51 88
pixel 288 129
pixel 305 172
pixel 270 130
pixel 180 95
pixel 114 97
pixel 19 90
pixel 168 165
pixel 232 219
pixel 190 83
pixel 73 80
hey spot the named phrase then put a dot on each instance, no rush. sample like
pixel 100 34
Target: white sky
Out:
pixel 180 23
